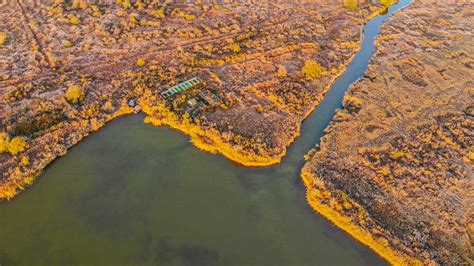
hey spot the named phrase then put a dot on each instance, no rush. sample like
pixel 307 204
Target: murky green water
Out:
pixel 136 194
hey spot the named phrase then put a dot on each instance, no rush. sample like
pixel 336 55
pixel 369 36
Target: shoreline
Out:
pixel 14 187
pixel 368 184
pixel 346 223
pixel 218 145
pixel 195 133
pixel 211 141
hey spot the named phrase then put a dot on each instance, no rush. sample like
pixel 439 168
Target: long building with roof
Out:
pixel 188 84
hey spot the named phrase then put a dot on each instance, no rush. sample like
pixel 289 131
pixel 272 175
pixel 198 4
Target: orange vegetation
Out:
pixel 13 146
pixel 311 70
pixel 252 65
pixel 205 139
pixel 74 93
pixel 140 62
pixel 401 147
pixel 3 38
pixel 330 203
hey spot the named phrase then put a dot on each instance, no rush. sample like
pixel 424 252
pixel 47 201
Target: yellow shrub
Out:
pixel 133 19
pixel 68 44
pixel 352 101
pixel 74 93
pixel 236 48
pixel 347 205
pixel 140 62
pixel 126 4
pixel 350 4
pixel 397 155
pixel 387 3
pixel 160 13
pixel 385 171
pixel 471 156
pixel 25 160
pixel 311 70
pixel 74 20
pixel 188 17
pixel 281 72
pixel 4 140
pixel 3 38
pixel 83 5
pixel 17 145
pixel 75 4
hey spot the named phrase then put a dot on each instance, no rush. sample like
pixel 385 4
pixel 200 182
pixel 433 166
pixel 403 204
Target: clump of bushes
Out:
pixel 311 70
pixel 68 44
pixel 3 38
pixel 31 126
pixel 74 94
pixel 281 71
pixel 4 140
pixel 350 4
pixel 141 62
pixel 387 3
pixel 13 146
pixel 236 48
pixel 352 104
pixel 73 20
pixel 160 13
pixel 124 3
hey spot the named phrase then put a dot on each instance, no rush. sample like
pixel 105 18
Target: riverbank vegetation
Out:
pixel 78 65
pixel 401 149
pixel 351 217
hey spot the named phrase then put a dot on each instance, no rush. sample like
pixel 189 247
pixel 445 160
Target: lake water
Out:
pixel 137 194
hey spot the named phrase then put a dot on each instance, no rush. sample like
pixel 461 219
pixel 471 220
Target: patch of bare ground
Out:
pixel 68 67
pixel 395 167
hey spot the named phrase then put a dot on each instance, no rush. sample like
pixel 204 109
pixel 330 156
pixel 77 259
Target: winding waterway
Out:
pixel 136 194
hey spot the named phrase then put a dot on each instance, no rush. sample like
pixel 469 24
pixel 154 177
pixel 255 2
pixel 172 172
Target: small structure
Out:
pixel 192 102
pixel 209 98
pixel 132 103
pixel 181 87
pixel 194 110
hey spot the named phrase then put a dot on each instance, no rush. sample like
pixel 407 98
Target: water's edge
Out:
pixel 314 126
pixel 145 191
pixel 367 51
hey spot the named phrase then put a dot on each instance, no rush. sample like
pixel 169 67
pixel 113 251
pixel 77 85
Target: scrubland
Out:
pixel 68 67
pixel 395 167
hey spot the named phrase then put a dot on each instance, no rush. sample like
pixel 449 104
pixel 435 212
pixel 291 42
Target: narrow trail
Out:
pixel 34 35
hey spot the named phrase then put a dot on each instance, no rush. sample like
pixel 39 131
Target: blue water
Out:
pixel 313 127
pixel 136 194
